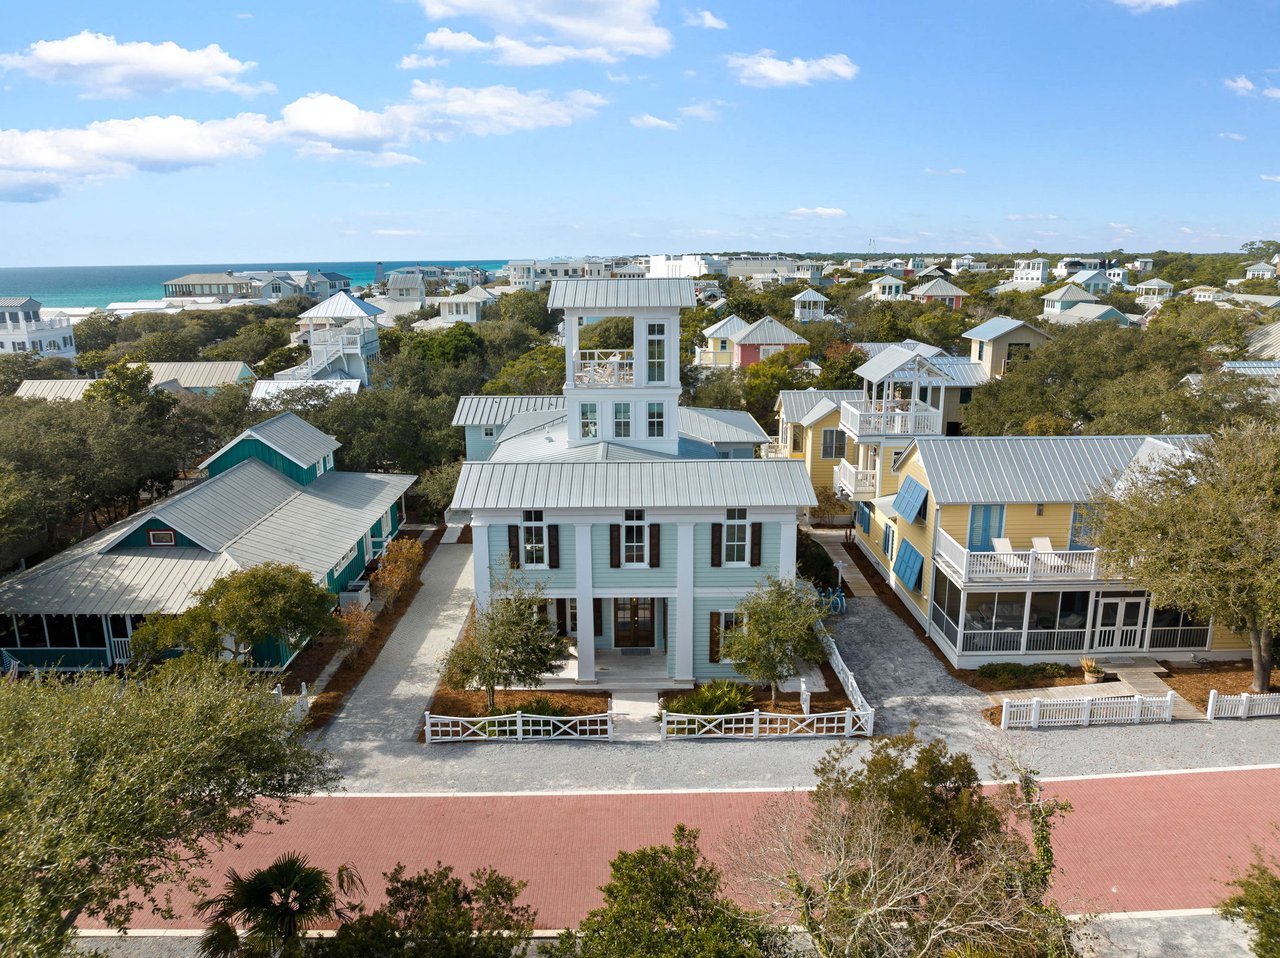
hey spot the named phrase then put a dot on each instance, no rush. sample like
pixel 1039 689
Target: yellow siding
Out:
pixel 955 523
pixel 919 534
pixel 1222 639
pixel 822 471
pixel 1021 523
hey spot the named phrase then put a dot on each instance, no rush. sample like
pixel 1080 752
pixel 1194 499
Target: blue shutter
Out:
pixel 910 500
pixel 864 517
pixel 1082 527
pixel 909 565
pixel 985 522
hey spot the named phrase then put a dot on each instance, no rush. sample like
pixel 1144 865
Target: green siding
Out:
pixel 378 532
pixel 564 577
pixel 734 577
pixel 253 448
pixel 138 537
pixel 271 654
pixel 703 667
pixel 60 658
pixel 664 577
pixel 352 570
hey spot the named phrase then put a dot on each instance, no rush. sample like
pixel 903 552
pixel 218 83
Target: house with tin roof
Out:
pixel 718 351
pixel 1260 271
pixel 1064 298
pixel 759 340
pixel 24 328
pixel 270 495
pixel 886 288
pixel 643 520
pixel 938 291
pixel 204 377
pixel 1093 313
pixel 1002 342
pixel 810 306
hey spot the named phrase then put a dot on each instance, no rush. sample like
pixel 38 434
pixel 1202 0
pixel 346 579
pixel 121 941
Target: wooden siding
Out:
pixel 251 447
pixel 822 471
pixel 350 572
pixel 478 447
pixel 561 578
pixel 38 658
pixel 703 667
pixel 1222 639
pixel 603 577
pixel 744 577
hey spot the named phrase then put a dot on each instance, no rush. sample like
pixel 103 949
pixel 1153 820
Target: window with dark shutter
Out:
pixel 553 546
pixel 562 616
pixel 655 546
pixel 513 546
pixel 717 544
pixel 757 533
pixel 615 547
pixel 713 654
pixel 597 614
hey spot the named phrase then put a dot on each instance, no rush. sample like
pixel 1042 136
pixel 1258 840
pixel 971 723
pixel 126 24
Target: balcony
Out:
pixel 857 484
pixel 604 367
pixel 1020 565
pixel 889 417
pixel 775 450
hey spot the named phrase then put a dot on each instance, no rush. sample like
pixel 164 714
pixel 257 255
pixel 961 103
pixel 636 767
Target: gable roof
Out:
pixel 1017 469
pixel 342 305
pixel 67 390
pixel 726 327
pixel 499 410
pixel 1266 266
pixel 767 332
pixel 622 294
pixel 291 436
pixel 994 328
pixel 1264 342
pixel 1089 275
pixel 889 361
pixel 937 287
pixel 887 281
pixel 1087 313
pixel 198 375
pixel 809 296
pixel 1155 283
pixel 719 425
pixel 18 302
pixel 795 404
pixel 1069 294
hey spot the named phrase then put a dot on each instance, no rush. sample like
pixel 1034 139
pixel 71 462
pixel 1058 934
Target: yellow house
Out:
pixel 809 430
pixel 986 540
pixel 718 351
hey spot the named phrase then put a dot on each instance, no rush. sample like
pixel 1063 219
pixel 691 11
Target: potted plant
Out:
pixel 1093 672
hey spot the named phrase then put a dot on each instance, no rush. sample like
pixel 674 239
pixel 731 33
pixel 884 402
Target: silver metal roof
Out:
pixel 498 410
pixel 18 302
pixel 1009 469
pixel 622 294
pixel 341 305
pixel 63 389
pixel 937 287
pixel 960 370
pixel 198 375
pixel 1085 313
pixel 993 328
pixel 795 404
pixel 725 327
pixel 1253 367
pixel 291 436
pixel 689 483
pixel 809 296
pixel 720 425
pixel 889 361
pixel 767 332
pixel 1264 342
pixel 1069 294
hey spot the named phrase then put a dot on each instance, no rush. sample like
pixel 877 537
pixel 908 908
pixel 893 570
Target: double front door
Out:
pixel 633 623
pixel 1121 624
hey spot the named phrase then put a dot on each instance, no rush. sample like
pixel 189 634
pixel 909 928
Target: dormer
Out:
pixel 286 443
pixel 622 359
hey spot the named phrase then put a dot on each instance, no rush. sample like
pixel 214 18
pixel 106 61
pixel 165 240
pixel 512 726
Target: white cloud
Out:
pixel 1185 230
pixel 616 77
pixel 512 52
pixel 706 110
pixel 441 112
pixel 647 121
pixel 1238 137
pixel 1273 92
pixel 763 69
pixel 816 212
pixel 953 171
pixel 416 61
pixel 619 27
pixel 1270 178
pixel 1241 85
pixel 1122 228
pixel 1030 217
pixel 1146 6
pixel 705 19
pixel 109 69
pixel 244 16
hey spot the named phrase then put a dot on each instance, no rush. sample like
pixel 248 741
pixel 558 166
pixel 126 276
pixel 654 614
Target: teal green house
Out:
pixel 644 521
pixel 271 494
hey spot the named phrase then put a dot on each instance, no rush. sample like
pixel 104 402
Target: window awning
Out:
pixel 909 565
pixel 910 500
pixel 885 505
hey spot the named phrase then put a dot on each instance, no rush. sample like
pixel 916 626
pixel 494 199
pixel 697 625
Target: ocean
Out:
pixel 100 285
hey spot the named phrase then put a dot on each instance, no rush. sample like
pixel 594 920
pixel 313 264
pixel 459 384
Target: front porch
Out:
pixel 634 669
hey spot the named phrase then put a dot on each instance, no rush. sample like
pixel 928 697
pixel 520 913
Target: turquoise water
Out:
pixel 100 285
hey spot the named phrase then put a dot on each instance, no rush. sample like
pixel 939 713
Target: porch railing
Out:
pixel 887 417
pixel 775 450
pixel 518 727
pixel 857 484
pixel 604 367
pixel 1019 565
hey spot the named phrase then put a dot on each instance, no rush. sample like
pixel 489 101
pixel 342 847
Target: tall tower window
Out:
pixel 657 420
pixel 589 418
pixel 657 342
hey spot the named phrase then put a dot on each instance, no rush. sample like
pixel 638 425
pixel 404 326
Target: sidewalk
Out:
pixel 833 541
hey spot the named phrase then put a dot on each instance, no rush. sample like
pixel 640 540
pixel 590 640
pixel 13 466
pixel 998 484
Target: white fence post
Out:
pixel 1213 704
pixel 662 722
pixel 519 726
pixel 1004 714
pixel 1168 706
pixel 426 728
pixel 1244 705
pixel 848 723
pixel 1035 713
pixel 278 692
pixel 755 725
pixel 1137 708
pixel 1088 711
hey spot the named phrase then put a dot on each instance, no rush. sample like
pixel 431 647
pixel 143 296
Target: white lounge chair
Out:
pixel 1047 555
pixel 1007 557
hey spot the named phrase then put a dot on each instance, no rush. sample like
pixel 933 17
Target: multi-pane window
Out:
pixel 634 540
pixel 589 418
pixel 833 443
pixel 886 540
pixel 622 420
pixel 736 531
pixel 1083 522
pixel 657 342
pixel 657 420
pixel 797 437
pixel 533 537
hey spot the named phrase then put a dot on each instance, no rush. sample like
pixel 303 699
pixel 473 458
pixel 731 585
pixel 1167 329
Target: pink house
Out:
pixel 938 291
pixel 762 339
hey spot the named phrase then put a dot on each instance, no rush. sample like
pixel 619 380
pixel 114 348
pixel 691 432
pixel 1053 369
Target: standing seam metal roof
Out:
pixel 498 410
pixel 197 375
pixel 797 403
pixel 767 332
pixel 622 294
pixel 61 389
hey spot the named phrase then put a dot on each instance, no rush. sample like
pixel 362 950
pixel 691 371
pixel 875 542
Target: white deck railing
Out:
pixel 519 727
pixel 1110 710
pixel 1022 564
pixel 757 725
pixel 858 484
pixel 775 450
pixel 301 701
pixel 887 417
pixel 604 367
pixel 1242 706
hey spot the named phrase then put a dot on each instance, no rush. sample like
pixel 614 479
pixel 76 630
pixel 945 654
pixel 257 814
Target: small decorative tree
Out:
pixel 399 566
pixel 1256 903
pixel 511 641
pixel 776 633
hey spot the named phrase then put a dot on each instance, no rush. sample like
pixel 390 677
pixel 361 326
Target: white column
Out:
pixel 586 607
pixel 480 561
pixel 684 602
pixel 787 552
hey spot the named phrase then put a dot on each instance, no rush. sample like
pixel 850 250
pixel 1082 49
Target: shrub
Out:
pixel 359 623
pixel 399 567
pixel 538 705
pixel 813 562
pixel 1018 671
pixel 718 697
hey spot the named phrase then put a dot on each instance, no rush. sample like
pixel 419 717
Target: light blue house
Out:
pixel 644 521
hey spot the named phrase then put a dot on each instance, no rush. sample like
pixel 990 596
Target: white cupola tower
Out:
pixel 810 306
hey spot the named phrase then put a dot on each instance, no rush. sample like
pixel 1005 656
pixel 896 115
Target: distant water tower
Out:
pixel 379 274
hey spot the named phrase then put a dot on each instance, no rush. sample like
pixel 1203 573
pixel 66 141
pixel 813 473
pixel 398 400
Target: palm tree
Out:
pixel 275 905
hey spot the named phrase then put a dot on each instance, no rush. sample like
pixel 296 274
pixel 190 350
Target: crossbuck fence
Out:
pixel 1111 710
pixel 1242 706
pixel 301 702
pixel 756 725
pixel 519 727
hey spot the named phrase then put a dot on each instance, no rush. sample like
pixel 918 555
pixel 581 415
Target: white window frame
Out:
pixel 635 534
pixel 661 421
pixel 155 538
pixel 346 559
pixel 589 426
pixel 533 537
pixel 725 629
pixel 656 342
pixel 624 420
pixel 489 432
pixel 837 440
pixel 734 519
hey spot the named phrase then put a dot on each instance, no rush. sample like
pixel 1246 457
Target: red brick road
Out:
pixel 1130 844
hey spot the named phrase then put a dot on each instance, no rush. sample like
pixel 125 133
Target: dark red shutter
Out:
pixel 513 546
pixel 713 654
pixel 655 546
pixel 562 616
pixel 717 544
pixel 553 547
pixel 615 547
pixel 597 613
pixel 757 533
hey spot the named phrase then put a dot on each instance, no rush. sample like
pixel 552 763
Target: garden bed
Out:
pixel 1016 681
pixel 471 703
pixel 1194 685
pixel 832 700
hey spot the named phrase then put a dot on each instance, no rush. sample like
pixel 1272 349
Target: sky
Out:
pixel 138 132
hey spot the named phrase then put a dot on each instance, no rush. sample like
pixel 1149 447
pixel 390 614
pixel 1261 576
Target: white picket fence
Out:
pixel 865 713
pixel 1111 710
pixel 519 727
pixel 1243 706
pixel 757 725
pixel 301 702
